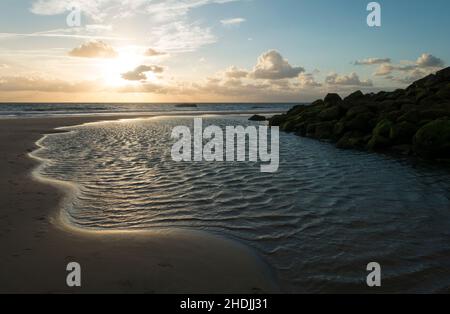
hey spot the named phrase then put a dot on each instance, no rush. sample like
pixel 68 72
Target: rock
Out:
pixel 403 121
pixel 356 110
pixel 403 132
pixel 339 129
pixel 324 130
pixel 433 114
pixel 429 101
pixel 332 99
pixel 378 142
pixel 404 149
pixel 412 116
pixel 383 129
pixel 289 126
pixel 257 118
pixel 433 140
pixel 444 92
pixel 362 122
pixel 354 96
pixel 277 120
pixel 444 74
pixel 380 136
pixel 352 140
pixel 391 115
pixel 297 110
pixel 332 113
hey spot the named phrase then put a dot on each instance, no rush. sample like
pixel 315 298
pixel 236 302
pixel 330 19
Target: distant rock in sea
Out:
pixel 257 118
pixel 412 121
pixel 186 106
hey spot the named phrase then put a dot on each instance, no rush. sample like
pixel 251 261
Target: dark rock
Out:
pixel 410 121
pixel 354 96
pixel 433 140
pixel 297 110
pixel 332 113
pixel 289 126
pixel 332 99
pixel 277 120
pixel 324 130
pixel 391 115
pixel 257 118
pixel 352 140
pixel 404 149
pixel 444 74
pixel 402 133
pixel 383 128
pixel 444 92
pixel 356 110
pixel 412 116
pixel 362 122
pixel 380 136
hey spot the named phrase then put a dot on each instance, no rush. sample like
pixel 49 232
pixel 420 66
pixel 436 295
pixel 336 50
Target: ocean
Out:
pixel 20 110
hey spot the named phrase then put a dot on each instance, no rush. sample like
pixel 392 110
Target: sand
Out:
pixel 36 245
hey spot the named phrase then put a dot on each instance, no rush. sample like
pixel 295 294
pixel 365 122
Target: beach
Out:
pixel 36 245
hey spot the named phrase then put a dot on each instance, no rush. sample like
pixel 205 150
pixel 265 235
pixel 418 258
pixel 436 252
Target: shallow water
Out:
pixel 318 221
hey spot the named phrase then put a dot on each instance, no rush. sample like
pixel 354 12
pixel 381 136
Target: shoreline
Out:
pixel 36 247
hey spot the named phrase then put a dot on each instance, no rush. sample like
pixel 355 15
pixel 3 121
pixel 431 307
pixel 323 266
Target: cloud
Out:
pixel 411 70
pixel 154 53
pixel 180 37
pixel 41 84
pixel 272 66
pixel 347 80
pixel 372 61
pixel 3 66
pixel 410 77
pixel 233 22
pixel 138 74
pixel 427 60
pixel 104 9
pixel 307 80
pixel 384 69
pixel 235 72
pixel 94 49
pixel 167 20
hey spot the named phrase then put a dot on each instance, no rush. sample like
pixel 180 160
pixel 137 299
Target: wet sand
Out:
pixel 36 246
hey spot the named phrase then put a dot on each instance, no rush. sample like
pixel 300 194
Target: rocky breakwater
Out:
pixel 411 121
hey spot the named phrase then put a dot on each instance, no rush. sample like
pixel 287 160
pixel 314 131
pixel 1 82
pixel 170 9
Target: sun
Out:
pixel 112 69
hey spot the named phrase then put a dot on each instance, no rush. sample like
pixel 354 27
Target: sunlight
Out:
pixel 112 69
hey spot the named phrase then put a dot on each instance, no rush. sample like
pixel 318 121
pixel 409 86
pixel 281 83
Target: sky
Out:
pixel 214 50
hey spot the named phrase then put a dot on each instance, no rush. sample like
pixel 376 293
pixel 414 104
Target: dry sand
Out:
pixel 35 246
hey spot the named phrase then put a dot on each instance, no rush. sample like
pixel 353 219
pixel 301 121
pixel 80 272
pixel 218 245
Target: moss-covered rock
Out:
pixel 403 132
pixel 383 128
pixel 324 130
pixel 433 140
pixel 277 120
pixel 362 122
pixel 380 136
pixel 403 121
pixel 257 118
pixel 332 113
pixel 352 140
